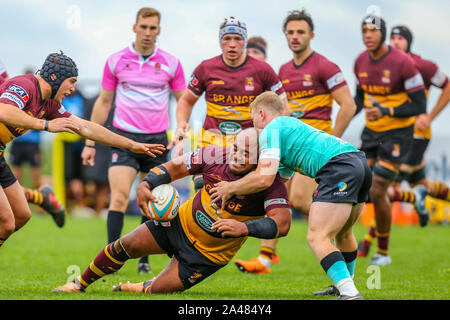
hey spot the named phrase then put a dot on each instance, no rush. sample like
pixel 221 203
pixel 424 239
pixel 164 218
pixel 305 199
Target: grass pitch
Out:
pixel 40 257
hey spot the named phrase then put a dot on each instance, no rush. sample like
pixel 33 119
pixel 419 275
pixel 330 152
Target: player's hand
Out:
pixel 88 156
pixel 373 114
pixel 221 193
pixel 230 228
pixel 63 125
pixel 149 149
pixel 423 121
pixel 144 195
pixel 178 136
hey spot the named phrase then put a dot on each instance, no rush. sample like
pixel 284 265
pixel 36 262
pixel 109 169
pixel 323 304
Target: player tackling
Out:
pixel 203 237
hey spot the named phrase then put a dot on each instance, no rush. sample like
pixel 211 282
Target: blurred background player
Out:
pixel 139 79
pixel 414 171
pixel 198 247
pixel 312 83
pixel 230 81
pixel 391 91
pixel 257 47
pixel 34 102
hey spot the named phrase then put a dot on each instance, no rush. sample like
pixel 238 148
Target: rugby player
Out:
pixel 202 238
pixel 44 197
pixel 257 47
pixel 312 83
pixel 391 91
pixel 288 145
pixel 139 79
pixel 34 102
pixel 230 81
pixel 414 170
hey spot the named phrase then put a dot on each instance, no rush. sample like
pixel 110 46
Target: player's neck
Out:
pixel 235 62
pixel 381 51
pixel 144 51
pixel 300 57
pixel 46 89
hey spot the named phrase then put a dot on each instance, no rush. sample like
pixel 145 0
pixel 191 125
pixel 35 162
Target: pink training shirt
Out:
pixel 142 88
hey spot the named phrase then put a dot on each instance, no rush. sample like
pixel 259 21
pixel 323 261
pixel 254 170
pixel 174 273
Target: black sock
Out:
pixel 114 225
pixel 144 259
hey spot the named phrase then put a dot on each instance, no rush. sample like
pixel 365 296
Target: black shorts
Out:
pixel 345 178
pixel 73 163
pixel 193 267
pixel 7 177
pixel 417 152
pixel 139 161
pixel 25 152
pixel 393 145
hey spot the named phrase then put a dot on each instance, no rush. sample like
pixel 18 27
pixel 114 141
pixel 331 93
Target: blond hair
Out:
pixel 268 101
pixel 148 12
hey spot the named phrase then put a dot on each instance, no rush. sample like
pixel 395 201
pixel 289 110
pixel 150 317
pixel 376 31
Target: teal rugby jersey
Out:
pixel 299 146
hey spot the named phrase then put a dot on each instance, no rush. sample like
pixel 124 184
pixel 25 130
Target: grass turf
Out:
pixel 38 258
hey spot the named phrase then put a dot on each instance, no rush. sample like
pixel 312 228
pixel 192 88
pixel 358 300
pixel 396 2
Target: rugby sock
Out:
pixel 145 258
pixel 34 196
pixel 350 261
pixel 370 236
pixel 440 191
pixel 114 224
pixel 383 243
pixel 107 261
pixel 403 196
pixel 335 267
pixel 265 256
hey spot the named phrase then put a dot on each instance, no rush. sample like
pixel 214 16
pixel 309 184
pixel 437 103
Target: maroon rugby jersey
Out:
pixel 430 72
pixel 431 76
pixel 24 93
pixel 229 92
pixel 308 88
pixel 198 214
pixel 388 80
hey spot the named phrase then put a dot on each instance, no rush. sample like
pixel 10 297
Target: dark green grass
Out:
pixel 35 260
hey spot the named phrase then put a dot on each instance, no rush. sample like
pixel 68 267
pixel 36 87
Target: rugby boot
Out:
pixel 276 258
pixel 253 265
pixel 52 205
pixel 355 297
pixel 330 291
pixel 70 287
pixel 380 260
pixel 363 249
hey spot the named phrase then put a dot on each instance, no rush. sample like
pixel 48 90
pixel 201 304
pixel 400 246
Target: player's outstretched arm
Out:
pixel 96 132
pixel 184 110
pixel 15 117
pixel 256 181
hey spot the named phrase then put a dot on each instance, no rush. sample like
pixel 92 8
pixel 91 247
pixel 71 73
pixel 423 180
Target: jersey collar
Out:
pixel 141 58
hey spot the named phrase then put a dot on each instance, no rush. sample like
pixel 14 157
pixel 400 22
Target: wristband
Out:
pixel 157 176
pixel 46 125
pixel 88 146
pixel 265 228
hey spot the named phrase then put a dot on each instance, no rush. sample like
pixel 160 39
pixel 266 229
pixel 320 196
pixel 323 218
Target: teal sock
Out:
pixel 350 260
pixel 335 267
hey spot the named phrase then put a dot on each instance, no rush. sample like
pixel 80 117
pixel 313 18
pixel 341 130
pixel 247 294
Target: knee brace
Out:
pixel 122 255
pixel 383 172
pixel 416 176
pixel 402 175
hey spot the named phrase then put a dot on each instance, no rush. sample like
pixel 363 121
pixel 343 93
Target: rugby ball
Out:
pixel 165 208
